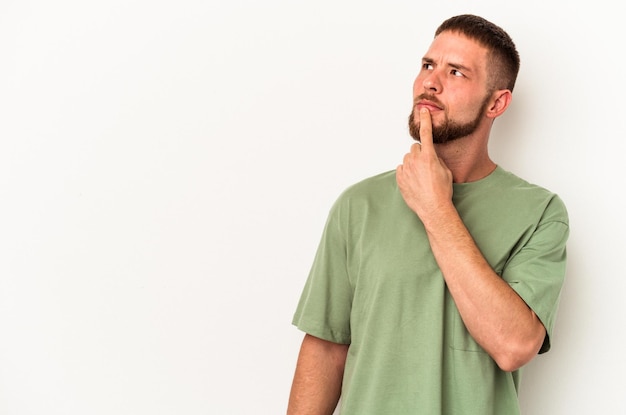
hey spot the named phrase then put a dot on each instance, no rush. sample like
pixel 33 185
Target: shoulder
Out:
pixel 530 194
pixel 372 186
pixel 372 194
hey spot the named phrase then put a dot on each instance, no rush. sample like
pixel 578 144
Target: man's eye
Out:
pixel 427 66
pixel 456 73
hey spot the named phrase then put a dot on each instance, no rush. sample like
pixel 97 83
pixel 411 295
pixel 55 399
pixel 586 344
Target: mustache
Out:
pixel 427 97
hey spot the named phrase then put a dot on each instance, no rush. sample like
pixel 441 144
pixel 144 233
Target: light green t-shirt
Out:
pixel 375 285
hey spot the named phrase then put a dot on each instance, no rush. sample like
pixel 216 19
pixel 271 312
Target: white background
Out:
pixel 166 169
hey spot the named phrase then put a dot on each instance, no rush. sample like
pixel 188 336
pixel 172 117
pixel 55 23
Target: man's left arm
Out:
pixel 494 314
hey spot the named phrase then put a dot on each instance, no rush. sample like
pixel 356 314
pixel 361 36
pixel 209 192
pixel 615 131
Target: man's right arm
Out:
pixel 316 384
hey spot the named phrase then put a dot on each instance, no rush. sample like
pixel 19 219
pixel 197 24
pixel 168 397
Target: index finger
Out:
pixel 426 130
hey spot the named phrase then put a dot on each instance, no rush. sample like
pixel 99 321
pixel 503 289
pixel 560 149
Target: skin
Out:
pixel 454 75
pixel 316 384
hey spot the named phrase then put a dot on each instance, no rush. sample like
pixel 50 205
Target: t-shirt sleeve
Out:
pixel 537 271
pixel 324 307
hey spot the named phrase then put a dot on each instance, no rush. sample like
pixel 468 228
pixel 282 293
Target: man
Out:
pixel 434 284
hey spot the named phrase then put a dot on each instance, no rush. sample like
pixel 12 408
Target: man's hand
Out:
pixel 424 180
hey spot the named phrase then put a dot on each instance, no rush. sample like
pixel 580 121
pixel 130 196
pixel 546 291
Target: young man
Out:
pixel 435 283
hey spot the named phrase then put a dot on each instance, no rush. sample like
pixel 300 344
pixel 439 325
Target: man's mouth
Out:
pixel 428 103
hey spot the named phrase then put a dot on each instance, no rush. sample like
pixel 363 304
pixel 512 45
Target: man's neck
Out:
pixel 468 160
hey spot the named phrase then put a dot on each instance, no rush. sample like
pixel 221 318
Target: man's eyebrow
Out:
pixel 458 66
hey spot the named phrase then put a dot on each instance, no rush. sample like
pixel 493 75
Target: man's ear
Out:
pixel 499 103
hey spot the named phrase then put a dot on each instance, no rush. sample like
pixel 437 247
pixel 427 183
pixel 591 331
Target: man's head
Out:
pixel 467 75
pixel 503 58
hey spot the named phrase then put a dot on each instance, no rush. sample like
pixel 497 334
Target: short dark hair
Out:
pixel 503 57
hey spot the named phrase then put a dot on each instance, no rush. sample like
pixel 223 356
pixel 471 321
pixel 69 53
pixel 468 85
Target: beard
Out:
pixel 449 130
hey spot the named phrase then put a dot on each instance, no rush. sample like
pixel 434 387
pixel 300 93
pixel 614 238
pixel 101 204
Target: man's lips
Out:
pixel 431 106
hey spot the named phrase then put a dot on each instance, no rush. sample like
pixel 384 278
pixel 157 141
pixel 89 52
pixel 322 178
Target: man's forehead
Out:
pixel 457 49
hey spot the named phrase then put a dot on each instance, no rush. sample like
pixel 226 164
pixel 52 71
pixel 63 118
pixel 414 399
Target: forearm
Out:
pixel 316 385
pixel 494 314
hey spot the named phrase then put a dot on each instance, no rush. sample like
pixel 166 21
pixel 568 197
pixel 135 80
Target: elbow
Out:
pixel 511 363
pixel 518 353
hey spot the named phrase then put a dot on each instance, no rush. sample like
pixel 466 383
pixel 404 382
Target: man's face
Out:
pixel 452 84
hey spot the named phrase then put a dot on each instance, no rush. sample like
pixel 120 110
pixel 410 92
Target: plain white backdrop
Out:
pixel 166 169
